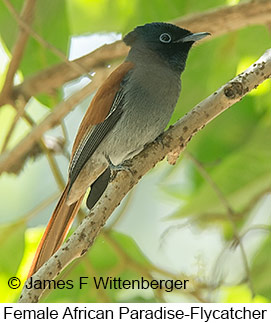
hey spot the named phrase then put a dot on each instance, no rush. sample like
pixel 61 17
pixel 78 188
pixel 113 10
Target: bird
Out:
pixel 131 108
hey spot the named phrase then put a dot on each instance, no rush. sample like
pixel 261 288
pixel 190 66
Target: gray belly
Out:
pixel 145 116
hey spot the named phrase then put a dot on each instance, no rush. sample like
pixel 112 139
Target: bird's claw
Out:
pixel 160 141
pixel 125 166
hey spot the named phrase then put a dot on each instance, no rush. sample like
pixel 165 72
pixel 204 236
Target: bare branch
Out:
pixel 17 154
pixel 20 112
pixel 29 31
pixel 223 20
pixel 219 22
pixel 18 49
pixel 177 135
pixel 54 77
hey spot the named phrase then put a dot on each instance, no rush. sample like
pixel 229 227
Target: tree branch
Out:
pixel 13 159
pixel 26 28
pixel 219 22
pixel 177 135
pixel 54 77
pixel 18 50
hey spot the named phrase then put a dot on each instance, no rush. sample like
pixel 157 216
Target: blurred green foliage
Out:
pixel 113 255
pixel 121 16
pixel 234 149
pixel 261 270
pixel 50 22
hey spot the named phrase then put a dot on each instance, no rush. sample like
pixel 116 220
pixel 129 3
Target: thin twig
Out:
pixel 19 113
pixel 123 210
pixel 102 295
pixel 9 158
pixel 146 270
pixel 211 182
pixel 18 49
pixel 37 209
pixel 210 216
pixel 260 227
pixel 54 166
pixel 29 31
pixel 28 216
pixel 230 213
pixel 254 201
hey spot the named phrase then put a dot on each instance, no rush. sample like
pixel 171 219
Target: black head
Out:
pixel 170 42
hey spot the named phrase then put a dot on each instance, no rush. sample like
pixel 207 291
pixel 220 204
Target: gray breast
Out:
pixel 150 98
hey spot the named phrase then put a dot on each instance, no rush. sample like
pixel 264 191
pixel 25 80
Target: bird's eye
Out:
pixel 165 38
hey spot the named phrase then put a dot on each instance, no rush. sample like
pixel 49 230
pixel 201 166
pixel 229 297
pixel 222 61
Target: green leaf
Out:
pixel 50 22
pixel 130 247
pixel 11 247
pixel 122 16
pixel 240 177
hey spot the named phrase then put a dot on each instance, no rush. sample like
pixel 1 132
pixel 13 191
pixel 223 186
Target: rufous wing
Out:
pixel 102 102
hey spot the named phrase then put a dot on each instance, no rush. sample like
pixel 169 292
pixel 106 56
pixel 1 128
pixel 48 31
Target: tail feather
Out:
pixel 98 188
pixel 56 231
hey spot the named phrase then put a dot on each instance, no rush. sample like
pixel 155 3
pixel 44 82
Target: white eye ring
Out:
pixel 165 38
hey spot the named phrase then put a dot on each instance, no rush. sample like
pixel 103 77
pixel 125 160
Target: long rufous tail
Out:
pixel 56 231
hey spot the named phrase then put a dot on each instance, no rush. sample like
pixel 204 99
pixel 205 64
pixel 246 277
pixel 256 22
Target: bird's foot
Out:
pixel 125 166
pixel 159 140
